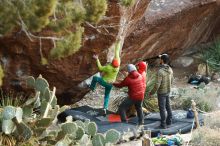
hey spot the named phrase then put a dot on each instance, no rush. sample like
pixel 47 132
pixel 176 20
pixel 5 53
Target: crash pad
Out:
pixel 181 124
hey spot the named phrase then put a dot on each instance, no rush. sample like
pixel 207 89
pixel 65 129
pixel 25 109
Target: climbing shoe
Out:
pixel 104 112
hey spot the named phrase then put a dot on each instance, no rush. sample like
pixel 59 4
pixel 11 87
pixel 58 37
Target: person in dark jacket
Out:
pixel 135 86
pixel 162 87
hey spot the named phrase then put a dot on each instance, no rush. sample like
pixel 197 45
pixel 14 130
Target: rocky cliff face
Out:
pixel 149 28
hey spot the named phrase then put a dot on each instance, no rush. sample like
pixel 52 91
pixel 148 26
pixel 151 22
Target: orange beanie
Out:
pixel 115 63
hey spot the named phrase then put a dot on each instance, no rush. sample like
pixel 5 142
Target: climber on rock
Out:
pixel 110 72
pixel 134 82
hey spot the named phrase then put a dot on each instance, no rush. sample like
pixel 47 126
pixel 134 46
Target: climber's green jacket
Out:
pixel 110 72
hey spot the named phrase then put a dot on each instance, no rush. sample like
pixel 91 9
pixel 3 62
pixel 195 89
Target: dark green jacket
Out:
pixel 164 80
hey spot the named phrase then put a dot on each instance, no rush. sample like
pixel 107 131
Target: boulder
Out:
pixel 182 62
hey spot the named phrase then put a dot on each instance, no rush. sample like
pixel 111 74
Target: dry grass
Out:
pixel 207 99
pixel 208 135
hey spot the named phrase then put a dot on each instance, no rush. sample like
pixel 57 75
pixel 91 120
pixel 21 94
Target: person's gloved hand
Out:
pixel 95 56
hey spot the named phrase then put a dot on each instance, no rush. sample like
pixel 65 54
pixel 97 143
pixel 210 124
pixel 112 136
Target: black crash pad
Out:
pixel 151 121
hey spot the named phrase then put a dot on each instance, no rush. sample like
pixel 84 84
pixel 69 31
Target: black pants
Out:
pixel 128 103
pixel 164 105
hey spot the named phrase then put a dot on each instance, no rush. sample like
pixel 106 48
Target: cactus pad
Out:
pixel 79 133
pixel 39 131
pixel 69 128
pixel 92 128
pixel 112 136
pixel 41 84
pixel 63 108
pixel 46 95
pixel 98 140
pixel 19 114
pixel 30 81
pixel 80 124
pixel 8 126
pixel 23 130
pixel 30 101
pixel 9 112
pixel 44 122
pixel 27 110
pixel 84 140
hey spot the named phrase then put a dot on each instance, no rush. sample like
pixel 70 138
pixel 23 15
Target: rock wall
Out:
pixel 149 28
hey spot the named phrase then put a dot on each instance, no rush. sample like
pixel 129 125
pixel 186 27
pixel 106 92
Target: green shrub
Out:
pixel 212 55
pixel 63 18
pixel 69 45
pixel 209 134
pixel 150 104
pixel 95 9
pixel 201 104
pixel 205 98
pixel 127 3
pixel 10 98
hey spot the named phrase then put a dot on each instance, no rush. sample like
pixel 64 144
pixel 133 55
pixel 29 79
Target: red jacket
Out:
pixel 142 67
pixel 135 85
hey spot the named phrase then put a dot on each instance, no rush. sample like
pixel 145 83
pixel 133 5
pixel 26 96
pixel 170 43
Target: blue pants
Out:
pixel 108 88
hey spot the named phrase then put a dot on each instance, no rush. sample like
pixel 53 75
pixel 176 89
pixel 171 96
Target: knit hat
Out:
pixel 165 58
pixel 142 65
pixel 131 67
pixel 115 63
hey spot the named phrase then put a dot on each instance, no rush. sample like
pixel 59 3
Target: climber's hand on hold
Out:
pixel 95 56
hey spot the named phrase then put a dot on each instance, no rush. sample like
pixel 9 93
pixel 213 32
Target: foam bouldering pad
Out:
pixel 112 120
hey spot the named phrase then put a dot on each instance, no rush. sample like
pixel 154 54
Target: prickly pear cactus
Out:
pixel 69 128
pixel 98 140
pixel 38 131
pixel 92 128
pixel 44 122
pixel 22 130
pixel 112 136
pixel 19 114
pixel 63 108
pixel 64 142
pixel 8 126
pixel 41 84
pixel 47 95
pixel 31 101
pixel 80 124
pixel 86 123
pixel 9 112
pixel 30 81
pixel 84 141
pixel 27 111
pixel 43 108
pixel 79 133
